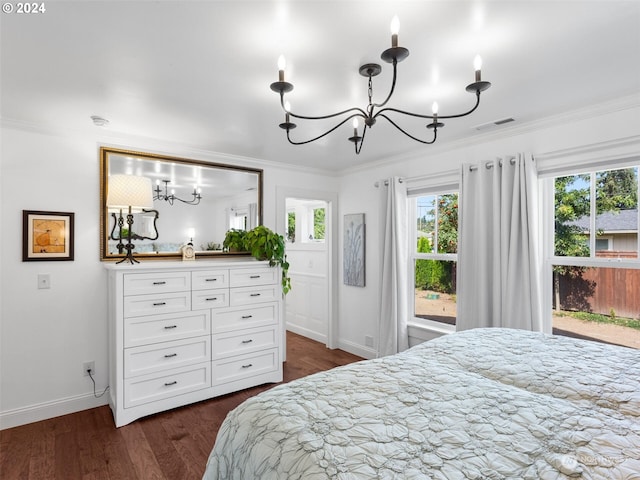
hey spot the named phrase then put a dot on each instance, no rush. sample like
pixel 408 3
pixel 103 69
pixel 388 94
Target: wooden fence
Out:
pixel 602 290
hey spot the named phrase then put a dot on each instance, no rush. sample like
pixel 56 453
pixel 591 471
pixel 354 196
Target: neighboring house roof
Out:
pixel 621 221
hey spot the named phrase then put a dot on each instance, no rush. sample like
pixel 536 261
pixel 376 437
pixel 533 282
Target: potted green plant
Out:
pixel 235 240
pixel 264 244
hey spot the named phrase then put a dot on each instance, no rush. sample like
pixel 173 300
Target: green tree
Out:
pixel 318 223
pixel 571 203
pixel 438 275
pixel 448 223
pixel 615 190
pixel 291 226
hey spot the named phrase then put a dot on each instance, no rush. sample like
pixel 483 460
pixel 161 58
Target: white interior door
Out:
pixel 309 308
pixel 307 304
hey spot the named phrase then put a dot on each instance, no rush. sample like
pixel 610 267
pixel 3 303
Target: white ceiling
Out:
pixel 197 73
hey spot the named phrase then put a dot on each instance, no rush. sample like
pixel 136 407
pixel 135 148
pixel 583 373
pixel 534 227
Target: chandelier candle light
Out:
pixel 172 197
pixel 391 55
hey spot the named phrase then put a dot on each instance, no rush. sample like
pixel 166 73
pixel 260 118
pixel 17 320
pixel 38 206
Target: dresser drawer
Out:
pixel 149 388
pixel 244 277
pixel 162 328
pixel 138 305
pixel 257 294
pixel 147 283
pixel 162 356
pixel 245 341
pixel 244 366
pixel 208 279
pixel 242 318
pixel 202 299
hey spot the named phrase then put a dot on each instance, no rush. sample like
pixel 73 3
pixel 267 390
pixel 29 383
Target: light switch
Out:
pixel 44 280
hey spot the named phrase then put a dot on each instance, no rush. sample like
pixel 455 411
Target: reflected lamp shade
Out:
pixel 129 191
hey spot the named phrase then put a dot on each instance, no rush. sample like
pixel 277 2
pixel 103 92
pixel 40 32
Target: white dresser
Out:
pixel 181 332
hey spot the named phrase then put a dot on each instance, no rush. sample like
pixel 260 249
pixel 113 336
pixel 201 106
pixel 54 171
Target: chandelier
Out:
pixel 369 115
pixel 172 197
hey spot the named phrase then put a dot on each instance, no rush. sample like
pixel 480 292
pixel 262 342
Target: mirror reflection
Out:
pixel 196 202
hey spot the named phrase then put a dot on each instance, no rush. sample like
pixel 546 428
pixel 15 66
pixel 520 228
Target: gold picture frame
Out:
pixel 47 236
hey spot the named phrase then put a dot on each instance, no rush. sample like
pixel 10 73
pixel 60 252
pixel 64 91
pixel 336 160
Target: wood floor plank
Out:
pixel 16 453
pixel 140 452
pixel 42 464
pixel 173 445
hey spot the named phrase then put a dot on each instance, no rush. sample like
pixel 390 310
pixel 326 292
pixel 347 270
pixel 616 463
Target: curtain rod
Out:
pixel 490 165
pixel 386 182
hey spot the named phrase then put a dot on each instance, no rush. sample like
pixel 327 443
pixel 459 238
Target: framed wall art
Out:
pixel 47 236
pixel 353 250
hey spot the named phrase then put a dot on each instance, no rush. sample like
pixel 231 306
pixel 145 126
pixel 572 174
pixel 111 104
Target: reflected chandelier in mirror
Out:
pixel 207 199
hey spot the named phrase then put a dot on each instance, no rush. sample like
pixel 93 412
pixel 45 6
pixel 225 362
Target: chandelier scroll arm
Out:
pixel 427 142
pixel 429 117
pixel 322 117
pixel 328 131
pixel 465 113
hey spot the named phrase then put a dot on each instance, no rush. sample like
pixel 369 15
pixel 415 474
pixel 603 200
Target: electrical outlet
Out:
pixel 44 280
pixel 86 366
pixel 368 341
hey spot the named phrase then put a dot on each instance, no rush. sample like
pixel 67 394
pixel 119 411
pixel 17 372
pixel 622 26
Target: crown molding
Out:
pixel 613 106
pixel 115 139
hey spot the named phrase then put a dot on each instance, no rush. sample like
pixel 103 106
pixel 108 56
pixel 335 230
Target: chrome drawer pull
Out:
pixel 247 341
pixel 246 316
pixel 169 327
pixel 211 299
pixel 170 355
pixel 254 295
pixel 168 384
pixel 254 276
pixel 159 283
pixel 159 304
pixel 211 280
pixel 247 366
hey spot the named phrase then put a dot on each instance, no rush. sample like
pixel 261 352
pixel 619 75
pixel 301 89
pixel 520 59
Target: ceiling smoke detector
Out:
pixel 99 121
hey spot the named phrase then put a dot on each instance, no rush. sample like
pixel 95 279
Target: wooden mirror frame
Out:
pixel 209 169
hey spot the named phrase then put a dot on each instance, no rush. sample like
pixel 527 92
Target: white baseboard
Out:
pixel 356 349
pixel 46 410
pixel 305 332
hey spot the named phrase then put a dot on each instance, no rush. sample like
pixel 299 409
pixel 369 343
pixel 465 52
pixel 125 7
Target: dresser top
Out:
pixel 145 266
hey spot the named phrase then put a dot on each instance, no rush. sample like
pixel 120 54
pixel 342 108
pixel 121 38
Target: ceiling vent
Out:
pixel 495 123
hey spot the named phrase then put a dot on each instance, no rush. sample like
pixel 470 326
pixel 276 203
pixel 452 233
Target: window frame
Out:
pixel 546 190
pixel 412 195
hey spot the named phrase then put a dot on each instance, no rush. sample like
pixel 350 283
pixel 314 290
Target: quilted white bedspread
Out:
pixel 480 404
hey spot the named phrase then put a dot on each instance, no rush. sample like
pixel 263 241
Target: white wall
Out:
pixel 46 335
pixel 602 132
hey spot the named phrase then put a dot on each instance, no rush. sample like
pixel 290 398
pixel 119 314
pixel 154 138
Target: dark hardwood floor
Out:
pixel 171 445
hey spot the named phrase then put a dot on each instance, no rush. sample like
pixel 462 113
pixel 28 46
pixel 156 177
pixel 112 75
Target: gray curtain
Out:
pixel 393 332
pixel 498 259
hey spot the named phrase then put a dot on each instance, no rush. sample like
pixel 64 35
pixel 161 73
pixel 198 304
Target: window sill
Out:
pixel 428 329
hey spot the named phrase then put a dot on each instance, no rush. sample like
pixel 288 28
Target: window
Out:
pixel 595 267
pixel 291 226
pixel 306 221
pixel 434 256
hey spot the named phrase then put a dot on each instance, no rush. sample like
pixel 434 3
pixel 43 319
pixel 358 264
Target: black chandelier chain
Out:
pixel 369 115
pixel 171 197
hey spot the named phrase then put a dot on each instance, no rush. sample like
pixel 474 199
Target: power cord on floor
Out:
pixel 94 385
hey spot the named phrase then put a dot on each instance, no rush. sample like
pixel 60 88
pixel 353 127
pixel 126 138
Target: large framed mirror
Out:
pixel 196 201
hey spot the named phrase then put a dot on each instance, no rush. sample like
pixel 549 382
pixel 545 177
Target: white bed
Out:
pixel 480 404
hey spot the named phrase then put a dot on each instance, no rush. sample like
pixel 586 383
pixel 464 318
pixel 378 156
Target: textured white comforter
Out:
pixel 480 404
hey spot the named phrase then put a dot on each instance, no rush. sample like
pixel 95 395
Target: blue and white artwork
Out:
pixel 353 249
